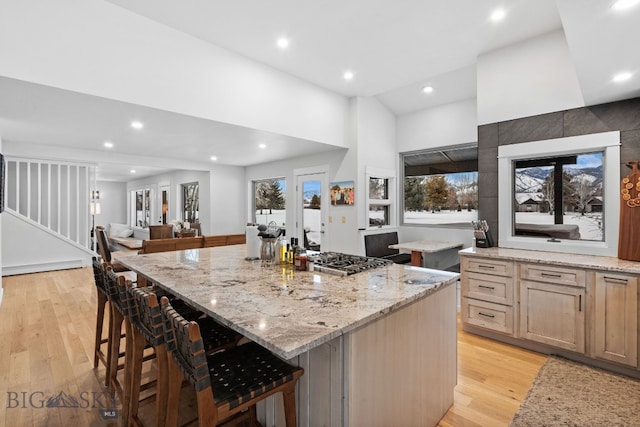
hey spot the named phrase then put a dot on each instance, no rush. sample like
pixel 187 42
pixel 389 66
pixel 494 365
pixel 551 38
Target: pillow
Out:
pixel 120 230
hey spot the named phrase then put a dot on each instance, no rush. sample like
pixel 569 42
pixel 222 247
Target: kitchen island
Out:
pixel 378 347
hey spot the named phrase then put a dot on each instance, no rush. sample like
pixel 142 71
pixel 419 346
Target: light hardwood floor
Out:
pixel 47 323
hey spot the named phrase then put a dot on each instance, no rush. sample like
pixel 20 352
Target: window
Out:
pixel 559 197
pixel 561 194
pixel 440 186
pixel 141 203
pixel 190 202
pixel 379 202
pixel 269 201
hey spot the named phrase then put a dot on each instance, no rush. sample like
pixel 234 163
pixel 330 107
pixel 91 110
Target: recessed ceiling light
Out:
pixel 108 144
pixel 283 42
pixel 622 77
pixel 262 145
pixel 624 4
pixel 137 125
pixel 133 171
pixel 214 158
pixel 498 15
pixel 348 75
pixel 427 89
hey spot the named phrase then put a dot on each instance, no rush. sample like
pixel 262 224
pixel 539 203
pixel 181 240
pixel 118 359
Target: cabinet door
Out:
pixel 552 314
pixel 616 318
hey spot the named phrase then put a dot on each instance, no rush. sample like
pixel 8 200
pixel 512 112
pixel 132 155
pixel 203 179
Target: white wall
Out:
pixel 533 77
pixel 228 200
pixel 95 47
pixel 42 251
pixel 113 203
pixel 449 124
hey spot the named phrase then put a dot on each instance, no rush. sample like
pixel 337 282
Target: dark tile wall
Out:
pixel 621 115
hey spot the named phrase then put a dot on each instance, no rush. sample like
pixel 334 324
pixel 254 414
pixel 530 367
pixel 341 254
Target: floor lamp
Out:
pixel 94 209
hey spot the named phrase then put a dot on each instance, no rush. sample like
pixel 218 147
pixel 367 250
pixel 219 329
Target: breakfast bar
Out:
pixel 378 347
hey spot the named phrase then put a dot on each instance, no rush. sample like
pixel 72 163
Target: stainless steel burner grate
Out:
pixel 345 264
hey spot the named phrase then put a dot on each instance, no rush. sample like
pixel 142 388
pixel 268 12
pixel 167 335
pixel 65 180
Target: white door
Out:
pixel 311 211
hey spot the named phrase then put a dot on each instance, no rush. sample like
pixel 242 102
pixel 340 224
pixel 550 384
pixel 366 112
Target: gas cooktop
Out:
pixel 344 264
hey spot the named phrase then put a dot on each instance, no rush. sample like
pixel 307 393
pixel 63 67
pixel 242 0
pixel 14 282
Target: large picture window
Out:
pixel 440 186
pixel 269 201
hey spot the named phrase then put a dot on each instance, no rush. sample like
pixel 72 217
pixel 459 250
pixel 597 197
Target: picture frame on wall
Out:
pixel 342 193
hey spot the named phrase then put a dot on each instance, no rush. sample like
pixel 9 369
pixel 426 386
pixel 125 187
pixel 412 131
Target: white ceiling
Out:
pixel 393 47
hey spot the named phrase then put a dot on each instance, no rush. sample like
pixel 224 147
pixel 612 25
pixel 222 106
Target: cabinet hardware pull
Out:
pixel 486 315
pixel 486 287
pixel 550 275
pixel 615 279
pixel 490 267
pixel 579 302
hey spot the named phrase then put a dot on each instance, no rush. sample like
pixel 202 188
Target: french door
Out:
pixel 311 209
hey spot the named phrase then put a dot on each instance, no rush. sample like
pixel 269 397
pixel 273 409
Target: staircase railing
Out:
pixel 54 194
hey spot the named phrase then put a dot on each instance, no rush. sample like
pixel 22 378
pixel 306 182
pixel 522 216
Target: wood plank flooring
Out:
pixel 47 323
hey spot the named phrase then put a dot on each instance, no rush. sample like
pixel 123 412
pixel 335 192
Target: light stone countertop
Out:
pixel 428 246
pixel 557 258
pixel 288 312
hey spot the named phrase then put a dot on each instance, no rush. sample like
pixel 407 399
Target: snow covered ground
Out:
pixel 442 217
pixel 589 224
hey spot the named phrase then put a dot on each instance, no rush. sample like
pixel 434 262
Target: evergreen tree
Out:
pixel 315 202
pixel 274 195
pixel 436 192
pixel 413 194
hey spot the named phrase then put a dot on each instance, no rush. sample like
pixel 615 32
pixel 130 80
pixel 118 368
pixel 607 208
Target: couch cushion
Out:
pixel 120 230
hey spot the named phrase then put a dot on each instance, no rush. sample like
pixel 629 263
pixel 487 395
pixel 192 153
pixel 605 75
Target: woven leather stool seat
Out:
pixel 245 372
pixel 226 382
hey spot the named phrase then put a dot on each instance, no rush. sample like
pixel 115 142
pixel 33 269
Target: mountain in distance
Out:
pixel 526 183
pixel 529 180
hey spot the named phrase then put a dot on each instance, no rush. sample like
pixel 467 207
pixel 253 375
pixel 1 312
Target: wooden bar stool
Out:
pixel 102 299
pixel 147 330
pixel 227 382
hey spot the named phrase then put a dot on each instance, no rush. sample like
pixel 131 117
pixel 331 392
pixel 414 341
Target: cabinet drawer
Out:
pixel 555 275
pixel 488 315
pixel 485 287
pixel 488 266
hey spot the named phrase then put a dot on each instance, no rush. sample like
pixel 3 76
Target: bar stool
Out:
pixel 119 314
pixel 147 330
pixel 102 299
pixel 227 382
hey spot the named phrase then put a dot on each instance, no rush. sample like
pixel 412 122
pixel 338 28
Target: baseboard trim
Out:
pixel 13 270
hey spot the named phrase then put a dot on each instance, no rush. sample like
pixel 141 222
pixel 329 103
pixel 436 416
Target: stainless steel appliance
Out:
pixel 344 264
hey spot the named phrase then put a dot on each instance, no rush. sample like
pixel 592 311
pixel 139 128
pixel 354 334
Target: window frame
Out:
pixel 253 183
pixel 132 201
pixel 609 143
pixel 183 187
pixel 390 201
pixel 401 177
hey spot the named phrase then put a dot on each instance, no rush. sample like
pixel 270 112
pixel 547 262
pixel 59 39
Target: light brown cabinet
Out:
pixel 577 306
pixel 616 318
pixel 487 294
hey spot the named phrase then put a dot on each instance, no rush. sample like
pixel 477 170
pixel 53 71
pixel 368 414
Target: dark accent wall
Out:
pixel 621 115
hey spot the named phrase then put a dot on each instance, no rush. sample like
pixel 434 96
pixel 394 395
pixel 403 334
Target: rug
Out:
pixel 566 393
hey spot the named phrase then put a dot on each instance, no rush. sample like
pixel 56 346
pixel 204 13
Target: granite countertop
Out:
pixel 557 258
pixel 286 311
pixel 426 246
